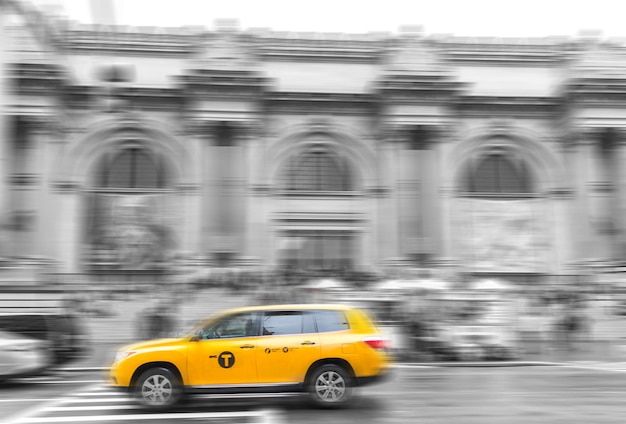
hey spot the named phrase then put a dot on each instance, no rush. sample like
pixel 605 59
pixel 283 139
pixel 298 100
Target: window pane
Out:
pixel 283 322
pixel 509 179
pixel 119 172
pixel 485 178
pixel 132 168
pixel 146 173
pixel 240 325
pixel 308 323
pixel 499 174
pixel 331 321
pixel 317 171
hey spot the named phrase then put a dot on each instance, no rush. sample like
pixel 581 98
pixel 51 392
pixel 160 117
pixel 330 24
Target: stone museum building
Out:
pixel 123 149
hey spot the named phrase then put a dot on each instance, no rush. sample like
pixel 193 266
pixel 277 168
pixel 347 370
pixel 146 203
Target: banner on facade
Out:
pixel 130 232
pixel 502 235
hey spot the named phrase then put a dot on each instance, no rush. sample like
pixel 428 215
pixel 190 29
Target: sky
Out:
pixel 497 18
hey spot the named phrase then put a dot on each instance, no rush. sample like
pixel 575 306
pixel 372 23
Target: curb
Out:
pixel 501 364
pixel 479 364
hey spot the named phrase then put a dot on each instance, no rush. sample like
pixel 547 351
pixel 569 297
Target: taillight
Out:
pixel 377 343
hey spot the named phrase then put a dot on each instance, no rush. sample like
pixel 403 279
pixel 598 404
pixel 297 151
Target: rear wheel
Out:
pixel 158 388
pixel 330 386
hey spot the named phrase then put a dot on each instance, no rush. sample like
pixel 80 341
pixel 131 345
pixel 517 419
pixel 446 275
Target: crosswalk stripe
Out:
pixel 608 367
pixel 90 408
pixel 97 400
pixel 67 382
pixel 26 415
pixel 142 417
pixel 100 393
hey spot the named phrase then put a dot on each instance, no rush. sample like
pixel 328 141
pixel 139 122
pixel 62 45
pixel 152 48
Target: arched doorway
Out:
pixel 129 217
pixel 317 228
pixel 500 220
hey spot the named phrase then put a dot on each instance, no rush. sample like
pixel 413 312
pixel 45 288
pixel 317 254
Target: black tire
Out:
pixel 158 389
pixel 330 386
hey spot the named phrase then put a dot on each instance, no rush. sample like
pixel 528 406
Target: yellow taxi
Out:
pixel 323 350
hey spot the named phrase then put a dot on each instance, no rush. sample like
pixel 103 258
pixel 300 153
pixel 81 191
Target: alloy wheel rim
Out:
pixel 330 387
pixel 157 390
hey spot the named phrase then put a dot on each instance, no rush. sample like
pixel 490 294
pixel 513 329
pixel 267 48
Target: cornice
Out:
pixel 296 46
pixel 294 102
pixel 507 105
pixel 65 186
pixel 418 83
pixel 416 136
pixel 24 179
pixel 147 98
pixel 101 39
pixel 242 129
pixel 223 81
pixel 601 90
pixel 35 77
pixel 503 53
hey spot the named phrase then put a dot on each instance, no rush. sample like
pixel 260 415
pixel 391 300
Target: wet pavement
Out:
pixel 576 393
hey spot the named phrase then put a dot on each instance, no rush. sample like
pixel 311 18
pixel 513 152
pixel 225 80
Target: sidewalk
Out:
pixel 608 343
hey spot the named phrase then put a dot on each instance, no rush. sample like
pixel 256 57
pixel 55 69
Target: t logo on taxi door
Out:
pixel 226 359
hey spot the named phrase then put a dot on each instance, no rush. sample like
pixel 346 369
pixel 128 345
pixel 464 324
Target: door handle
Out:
pixel 307 343
pixel 246 347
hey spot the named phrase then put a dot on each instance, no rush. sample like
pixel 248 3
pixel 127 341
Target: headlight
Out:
pixel 122 354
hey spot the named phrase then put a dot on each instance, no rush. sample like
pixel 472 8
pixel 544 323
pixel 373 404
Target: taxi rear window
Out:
pixel 329 320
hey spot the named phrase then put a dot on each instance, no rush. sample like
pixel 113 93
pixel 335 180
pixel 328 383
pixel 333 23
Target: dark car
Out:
pixel 66 336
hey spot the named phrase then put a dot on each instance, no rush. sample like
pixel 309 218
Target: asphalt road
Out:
pixel 577 393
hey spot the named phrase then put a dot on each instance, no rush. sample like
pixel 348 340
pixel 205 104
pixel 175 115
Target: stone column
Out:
pixel 191 194
pixel 430 202
pixel 230 182
pixel 258 229
pixel 41 135
pixel 7 134
pixel 23 186
pixel 598 194
pixel 209 218
pixel 619 204
pixel 409 188
pixel 574 164
pixel 69 238
pixel 240 182
pixel 5 130
pixel 446 193
pixel 225 180
pixel 50 143
pixel 388 216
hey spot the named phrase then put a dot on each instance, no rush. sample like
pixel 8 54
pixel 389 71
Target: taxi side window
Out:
pixel 328 320
pixel 278 323
pixel 239 325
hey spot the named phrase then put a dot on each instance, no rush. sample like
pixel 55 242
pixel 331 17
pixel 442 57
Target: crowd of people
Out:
pixel 532 319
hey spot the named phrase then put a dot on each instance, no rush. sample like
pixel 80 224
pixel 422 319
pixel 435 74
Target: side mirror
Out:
pixel 194 338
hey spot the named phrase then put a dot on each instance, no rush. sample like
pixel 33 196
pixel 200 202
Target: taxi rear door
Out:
pixel 288 345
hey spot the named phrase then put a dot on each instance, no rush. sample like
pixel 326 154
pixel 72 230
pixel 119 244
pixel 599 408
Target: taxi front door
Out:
pixel 225 353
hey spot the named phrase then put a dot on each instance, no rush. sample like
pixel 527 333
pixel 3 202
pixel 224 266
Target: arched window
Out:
pixel 318 170
pixel 498 174
pixel 132 168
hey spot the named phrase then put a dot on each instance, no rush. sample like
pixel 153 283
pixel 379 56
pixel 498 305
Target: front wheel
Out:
pixel 330 386
pixel 158 388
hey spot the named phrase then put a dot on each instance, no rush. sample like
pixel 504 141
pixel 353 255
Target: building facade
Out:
pixel 123 149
